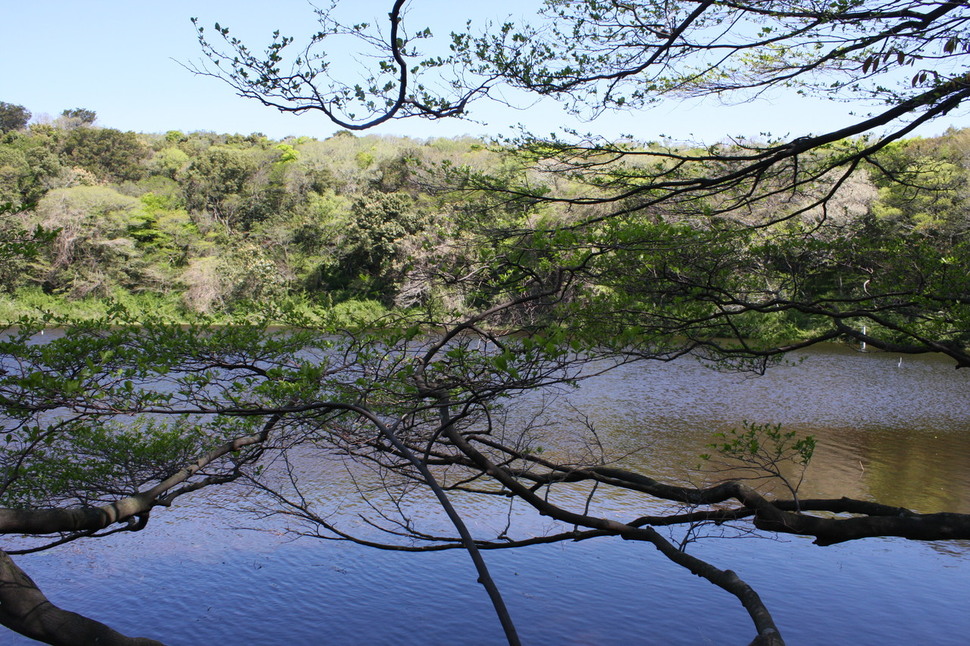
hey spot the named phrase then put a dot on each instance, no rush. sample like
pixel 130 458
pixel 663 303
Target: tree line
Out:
pixel 215 223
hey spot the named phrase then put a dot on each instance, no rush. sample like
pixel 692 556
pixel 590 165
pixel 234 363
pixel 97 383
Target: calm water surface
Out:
pixel 898 432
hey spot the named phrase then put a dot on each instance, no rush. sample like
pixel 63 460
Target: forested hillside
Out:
pixel 210 223
pixel 221 224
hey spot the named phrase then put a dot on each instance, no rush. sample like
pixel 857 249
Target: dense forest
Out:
pixel 212 223
pixel 224 224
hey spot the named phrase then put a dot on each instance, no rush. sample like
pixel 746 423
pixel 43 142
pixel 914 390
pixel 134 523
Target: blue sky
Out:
pixel 121 59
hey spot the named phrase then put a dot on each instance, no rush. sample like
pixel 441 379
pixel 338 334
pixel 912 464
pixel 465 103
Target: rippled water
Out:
pixel 896 432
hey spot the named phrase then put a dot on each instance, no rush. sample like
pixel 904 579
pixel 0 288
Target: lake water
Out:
pixel 889 430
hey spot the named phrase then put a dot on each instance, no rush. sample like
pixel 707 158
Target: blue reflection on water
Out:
pixel 187 580
pixel 251 588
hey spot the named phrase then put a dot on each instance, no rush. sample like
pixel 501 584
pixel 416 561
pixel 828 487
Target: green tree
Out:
pixel 14 173
pixel 372 241
pixel 220 183
pixel 13 117
pixel 80 116
pixel 111 155
pixel 100 240
pixel 923 191
pixel 19 245
pixel 31 164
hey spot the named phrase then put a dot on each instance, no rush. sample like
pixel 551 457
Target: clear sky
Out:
pixel 121 58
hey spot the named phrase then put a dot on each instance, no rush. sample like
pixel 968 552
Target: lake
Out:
pixel 891 429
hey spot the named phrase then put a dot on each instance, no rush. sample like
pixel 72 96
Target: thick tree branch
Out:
pixel 25 609
pixel 725 579
pixel 49 521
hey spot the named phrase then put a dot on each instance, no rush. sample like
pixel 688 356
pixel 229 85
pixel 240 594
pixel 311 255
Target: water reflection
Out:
pixel 895 433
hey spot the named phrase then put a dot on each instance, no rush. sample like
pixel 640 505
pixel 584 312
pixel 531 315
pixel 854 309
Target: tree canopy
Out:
pixel 13 117
pixel 79 117
pixel 594 55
